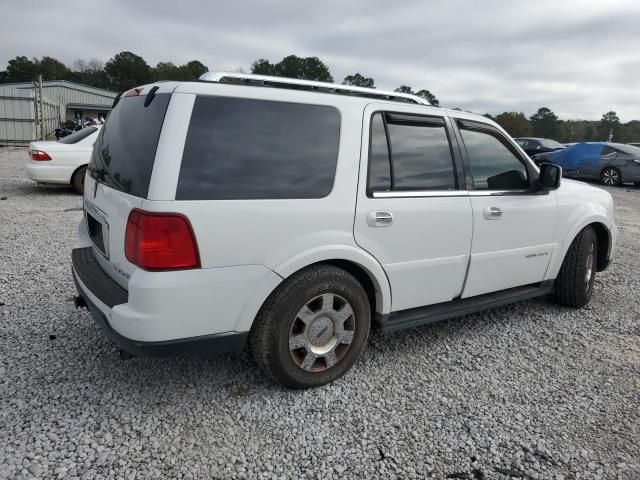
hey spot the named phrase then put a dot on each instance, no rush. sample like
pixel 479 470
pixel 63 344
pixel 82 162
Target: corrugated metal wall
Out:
pixel 17 115
pixel 17 112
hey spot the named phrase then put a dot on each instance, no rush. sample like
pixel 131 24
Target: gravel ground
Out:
pixel 532 390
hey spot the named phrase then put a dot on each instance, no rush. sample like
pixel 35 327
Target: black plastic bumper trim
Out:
pixel 96 279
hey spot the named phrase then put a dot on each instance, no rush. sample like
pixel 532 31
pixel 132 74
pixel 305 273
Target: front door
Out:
pixel 513 224
pixel 411 214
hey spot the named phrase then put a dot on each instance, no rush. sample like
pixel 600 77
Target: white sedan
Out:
pixel 64 161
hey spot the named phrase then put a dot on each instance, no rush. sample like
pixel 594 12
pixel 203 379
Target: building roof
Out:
pixel 64 84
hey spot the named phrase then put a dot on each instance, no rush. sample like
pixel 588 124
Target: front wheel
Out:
pixel 611 176
pixel 313 327
pixel 574 285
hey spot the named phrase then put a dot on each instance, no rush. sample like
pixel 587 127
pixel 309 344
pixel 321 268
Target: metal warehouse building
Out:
pixel 22 112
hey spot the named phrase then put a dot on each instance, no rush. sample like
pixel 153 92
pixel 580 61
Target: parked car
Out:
pixel 533 146
pixel 63 161
pixel 226 211
pixel 634 144
pixel 610 163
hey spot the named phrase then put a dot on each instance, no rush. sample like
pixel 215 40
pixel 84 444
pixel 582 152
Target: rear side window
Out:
pixel 409 152
pixel 125 150
pixel 239 148
pixel 493 164
pixel 75 137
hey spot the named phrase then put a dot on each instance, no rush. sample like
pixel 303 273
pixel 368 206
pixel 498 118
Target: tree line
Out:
pixel 126 70
pixel 546 124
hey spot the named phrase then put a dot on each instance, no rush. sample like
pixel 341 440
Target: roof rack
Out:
pixel 308 85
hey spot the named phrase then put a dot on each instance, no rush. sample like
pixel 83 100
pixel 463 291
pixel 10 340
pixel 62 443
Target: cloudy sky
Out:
pixel 579 58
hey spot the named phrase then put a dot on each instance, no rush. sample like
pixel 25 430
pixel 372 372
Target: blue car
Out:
pixel 610 163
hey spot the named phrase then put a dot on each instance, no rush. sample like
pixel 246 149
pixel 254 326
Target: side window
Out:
pixel 493 165
pixel 379 177
pixel 239 148
pixel 412 153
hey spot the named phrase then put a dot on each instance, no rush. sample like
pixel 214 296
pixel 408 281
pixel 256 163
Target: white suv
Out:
pixel 297 215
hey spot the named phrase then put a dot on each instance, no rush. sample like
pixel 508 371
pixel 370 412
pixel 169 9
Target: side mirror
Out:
pixel 550 176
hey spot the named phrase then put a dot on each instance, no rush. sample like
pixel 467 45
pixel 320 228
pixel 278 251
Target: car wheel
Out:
pixel 313 328
pixel 78 179
pixel 611 176
pixel 574 284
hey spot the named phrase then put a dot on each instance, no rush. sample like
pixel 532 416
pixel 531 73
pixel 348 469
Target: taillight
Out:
pixel 160 241
pixel 39 155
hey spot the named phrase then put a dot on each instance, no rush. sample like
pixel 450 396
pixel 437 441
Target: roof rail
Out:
pixel 313 86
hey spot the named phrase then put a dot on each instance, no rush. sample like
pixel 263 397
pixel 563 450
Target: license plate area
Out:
pixel 98 228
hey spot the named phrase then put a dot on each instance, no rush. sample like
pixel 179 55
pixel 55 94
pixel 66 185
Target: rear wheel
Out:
pixel 78 179
pixel 611 176
pixel 574 285
pixel 313 327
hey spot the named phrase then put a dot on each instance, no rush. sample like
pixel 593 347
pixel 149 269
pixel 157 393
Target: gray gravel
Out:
pixel 527 391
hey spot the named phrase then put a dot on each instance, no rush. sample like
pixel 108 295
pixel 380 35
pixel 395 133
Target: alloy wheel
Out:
pixel 321 332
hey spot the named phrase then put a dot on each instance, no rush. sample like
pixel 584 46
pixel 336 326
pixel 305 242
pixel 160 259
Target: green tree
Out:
pixel 404 89
pixel 165 71
pixel 309 68
pixel 610 127
pixel 515 123
pixel 52 69
pixel 430 97
pixel 21 69
pixel 194 69
pixel 358 80
pixel 126 70
pixel 262 66
pixel 545 124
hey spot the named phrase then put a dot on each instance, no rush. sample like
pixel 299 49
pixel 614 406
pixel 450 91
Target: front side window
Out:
pixel 493 164
pixel 239 148
pixel 409 153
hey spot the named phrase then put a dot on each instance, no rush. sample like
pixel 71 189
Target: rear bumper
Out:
pixel 45 172
pixel 102 294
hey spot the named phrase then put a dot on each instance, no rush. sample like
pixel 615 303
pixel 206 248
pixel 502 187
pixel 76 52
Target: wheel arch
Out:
pixel 360 264
pixel 605 243
pixel 86 165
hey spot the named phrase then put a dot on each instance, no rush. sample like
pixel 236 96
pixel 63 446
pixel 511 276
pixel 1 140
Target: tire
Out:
pixel 574 285
pixel 319 310
pixel 611 176
pixel 78 179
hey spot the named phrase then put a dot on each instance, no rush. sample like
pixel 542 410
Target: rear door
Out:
pixel 412 211
pixel 119 175
pixel 513 224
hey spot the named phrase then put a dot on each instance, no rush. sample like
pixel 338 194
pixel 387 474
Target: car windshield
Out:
pixel 75 137
pixel 550 144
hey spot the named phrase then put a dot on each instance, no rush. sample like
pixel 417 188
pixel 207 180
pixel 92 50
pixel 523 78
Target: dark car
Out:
pixel 533 146
pixel 610 163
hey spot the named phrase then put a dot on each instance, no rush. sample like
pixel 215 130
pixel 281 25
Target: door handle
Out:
pixel 379 219
pixel 492 213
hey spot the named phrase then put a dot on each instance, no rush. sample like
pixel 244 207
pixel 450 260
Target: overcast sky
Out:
pixel 579 58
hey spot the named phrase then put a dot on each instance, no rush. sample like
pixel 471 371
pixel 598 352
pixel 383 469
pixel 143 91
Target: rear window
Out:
pixel 125 150
pixel 75 137
pixel 240 148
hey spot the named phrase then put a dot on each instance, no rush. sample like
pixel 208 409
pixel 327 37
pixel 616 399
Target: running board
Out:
pixel 459 307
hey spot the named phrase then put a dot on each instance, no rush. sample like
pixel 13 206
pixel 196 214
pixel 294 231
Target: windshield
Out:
pixel 125 151
pixel 550 144
pixel 75 137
